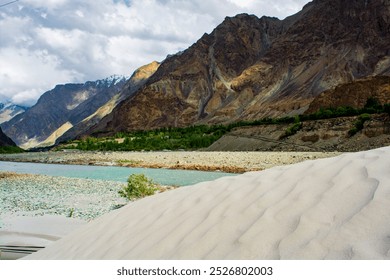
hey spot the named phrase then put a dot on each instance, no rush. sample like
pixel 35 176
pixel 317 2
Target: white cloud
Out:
pixel 47 42
pixel 21 68
pixel 48 4
pixel 279 9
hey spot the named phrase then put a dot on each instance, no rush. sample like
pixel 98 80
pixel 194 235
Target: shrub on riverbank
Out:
pixel 293 129
pixel 359 124
pixel 138 186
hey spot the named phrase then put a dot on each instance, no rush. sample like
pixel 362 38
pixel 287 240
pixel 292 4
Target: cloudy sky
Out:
pixel 49 42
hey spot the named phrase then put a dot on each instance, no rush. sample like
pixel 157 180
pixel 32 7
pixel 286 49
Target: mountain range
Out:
pixel 249 68
pixel 331 53
pixel 60 109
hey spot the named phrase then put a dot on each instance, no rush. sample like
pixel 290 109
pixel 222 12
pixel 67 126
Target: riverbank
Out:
pixel 36 210
pixel 38 195
pixel 233 162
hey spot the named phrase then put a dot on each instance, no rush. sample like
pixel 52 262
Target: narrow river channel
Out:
pixel 114 173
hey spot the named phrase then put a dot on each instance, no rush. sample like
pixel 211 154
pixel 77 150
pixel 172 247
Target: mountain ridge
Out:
pixel 64 103
pixel 249 68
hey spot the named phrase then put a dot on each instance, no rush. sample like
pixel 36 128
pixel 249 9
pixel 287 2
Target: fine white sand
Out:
pixel 43 228
pixel 336 208
pixel 33 231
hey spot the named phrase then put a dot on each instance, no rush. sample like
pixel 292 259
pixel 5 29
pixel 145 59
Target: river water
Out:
pixel 114 173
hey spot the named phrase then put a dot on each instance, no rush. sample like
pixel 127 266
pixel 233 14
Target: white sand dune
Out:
pixel 336 208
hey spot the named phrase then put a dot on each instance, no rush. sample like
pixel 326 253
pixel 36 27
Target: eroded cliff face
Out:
pixel 249 68
pixel 196 84
pixel 331 42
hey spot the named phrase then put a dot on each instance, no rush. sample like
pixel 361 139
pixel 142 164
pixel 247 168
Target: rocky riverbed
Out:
pixel 37 195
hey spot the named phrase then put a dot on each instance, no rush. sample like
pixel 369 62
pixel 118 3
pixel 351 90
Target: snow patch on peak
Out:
pixel 112 80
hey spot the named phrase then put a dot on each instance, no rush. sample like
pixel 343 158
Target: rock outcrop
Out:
pixel 354 94
pixel 249 68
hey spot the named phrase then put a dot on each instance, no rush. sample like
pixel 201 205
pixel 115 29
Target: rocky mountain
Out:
pixel 9 110
pixel 60 109
pixel 137 80
pixel 250 67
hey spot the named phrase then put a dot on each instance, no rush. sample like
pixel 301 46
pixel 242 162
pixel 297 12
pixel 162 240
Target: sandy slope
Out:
pixel 337 208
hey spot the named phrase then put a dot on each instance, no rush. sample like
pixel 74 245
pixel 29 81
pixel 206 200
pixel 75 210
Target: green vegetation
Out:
pixel 372 106
pixel 10 150
pixel 190 138
pixel 138 186
pixel 202 136
pixel 71 213
pixel 359 124
pixel 293 129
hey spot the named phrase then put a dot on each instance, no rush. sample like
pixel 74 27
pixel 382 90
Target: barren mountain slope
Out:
pixel 249 68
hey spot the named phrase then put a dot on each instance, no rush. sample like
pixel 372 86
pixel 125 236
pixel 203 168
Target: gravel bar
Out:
pixel 235 162
pixel 36 195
